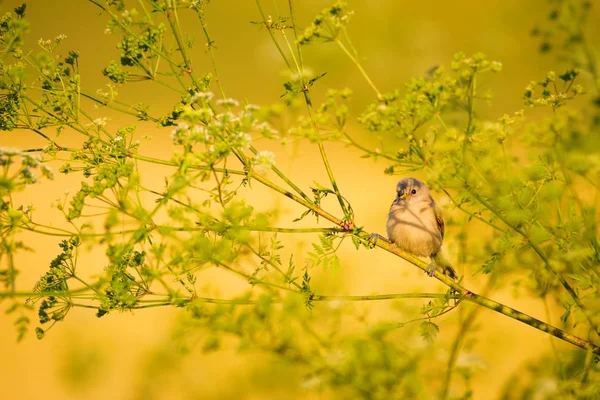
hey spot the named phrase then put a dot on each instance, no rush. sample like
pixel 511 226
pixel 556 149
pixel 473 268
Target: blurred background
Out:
pixel 135 355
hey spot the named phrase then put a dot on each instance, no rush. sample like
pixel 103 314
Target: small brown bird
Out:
pixel 415 224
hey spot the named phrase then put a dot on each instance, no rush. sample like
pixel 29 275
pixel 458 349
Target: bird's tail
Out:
pixel 443 265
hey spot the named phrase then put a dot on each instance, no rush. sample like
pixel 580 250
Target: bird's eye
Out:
pixel 414 191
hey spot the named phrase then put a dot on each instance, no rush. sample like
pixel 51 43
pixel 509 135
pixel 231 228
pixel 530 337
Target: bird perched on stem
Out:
pixel 415 224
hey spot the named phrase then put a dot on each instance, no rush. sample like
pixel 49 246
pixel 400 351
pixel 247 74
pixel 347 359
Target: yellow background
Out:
pixel 132 355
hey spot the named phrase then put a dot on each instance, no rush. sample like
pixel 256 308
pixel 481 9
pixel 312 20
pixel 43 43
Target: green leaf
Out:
pixel 39 333
pixel 429 331
pixel 316 78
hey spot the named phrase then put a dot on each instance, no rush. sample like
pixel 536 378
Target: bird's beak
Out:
pixel 404 196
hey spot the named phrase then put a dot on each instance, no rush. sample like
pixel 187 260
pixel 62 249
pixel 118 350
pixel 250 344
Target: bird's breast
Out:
pixel 414 229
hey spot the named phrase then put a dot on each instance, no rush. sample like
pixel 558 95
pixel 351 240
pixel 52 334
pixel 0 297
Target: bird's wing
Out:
pixel 439 219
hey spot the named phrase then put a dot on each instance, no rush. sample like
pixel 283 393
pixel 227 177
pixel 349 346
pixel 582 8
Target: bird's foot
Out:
pixel 450 273
pixel 374 238
pixel 430 269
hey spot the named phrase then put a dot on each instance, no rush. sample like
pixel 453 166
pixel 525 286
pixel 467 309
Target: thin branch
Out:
pixel 586 312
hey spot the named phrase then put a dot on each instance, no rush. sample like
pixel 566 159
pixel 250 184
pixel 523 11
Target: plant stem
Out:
pixel 459 340
pixel 285 179
pixel 255 229
pixel 262 14
pixel 318 297
pixel 305 91
pixel 366 150
pixel 588 314
pixel 471 110
pixel 175 28
pixel 360 68
pixel 209 46
pixel 496 227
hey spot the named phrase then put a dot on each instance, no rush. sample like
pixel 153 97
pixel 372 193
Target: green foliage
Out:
pixel 429 330
pixel 543 378
pixel 527 183
pixel 327 25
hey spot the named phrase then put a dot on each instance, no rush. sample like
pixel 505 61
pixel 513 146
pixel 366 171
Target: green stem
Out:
pixel 561 368
pixel 366 150
pixel 496 227
pixel 56 293
pixel 531 321
pixel 269 30
pixel 209 45
pixel 252 148
pixel 285 179
pixel 305 91
pixel 251 279
pixel 129 31
pixel 256 229
pixel 275 266
pixel 466 325
pixel 112 107
pixel 482 300
pixel 587 313
pixel 317 210
pixel 318 297
pixel 195 166
pixel 175 28
pixel 471 110
pixel 360 68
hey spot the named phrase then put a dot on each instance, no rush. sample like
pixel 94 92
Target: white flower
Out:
pixel 44 43
pixel 266 130
pixel 335 358
pixel 251 107
pixel 203 96
pixel 311 382
pixel 227 117
pixel 31 160
pixel 545 387
pixel 27 209
pixel 47 172
pixel 264 160
pixel 99 122
pixel 228 102
pixel 470 362
pixel 9 151
pixel 181 134
pixel 244 140
pixel 200 134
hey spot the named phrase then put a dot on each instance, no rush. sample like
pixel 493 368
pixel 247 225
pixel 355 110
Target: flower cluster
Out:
pixel 220 134
pixel 263 161
pixel 547 93
pixel 327 25
pixel 25 174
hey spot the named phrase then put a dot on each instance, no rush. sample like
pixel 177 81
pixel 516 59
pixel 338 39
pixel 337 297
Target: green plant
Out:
pixel 532 185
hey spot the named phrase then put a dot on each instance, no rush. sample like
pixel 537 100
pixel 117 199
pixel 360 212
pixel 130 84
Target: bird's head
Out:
pixel 411 190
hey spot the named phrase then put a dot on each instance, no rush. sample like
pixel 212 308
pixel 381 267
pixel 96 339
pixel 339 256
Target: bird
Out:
pixel 415 224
